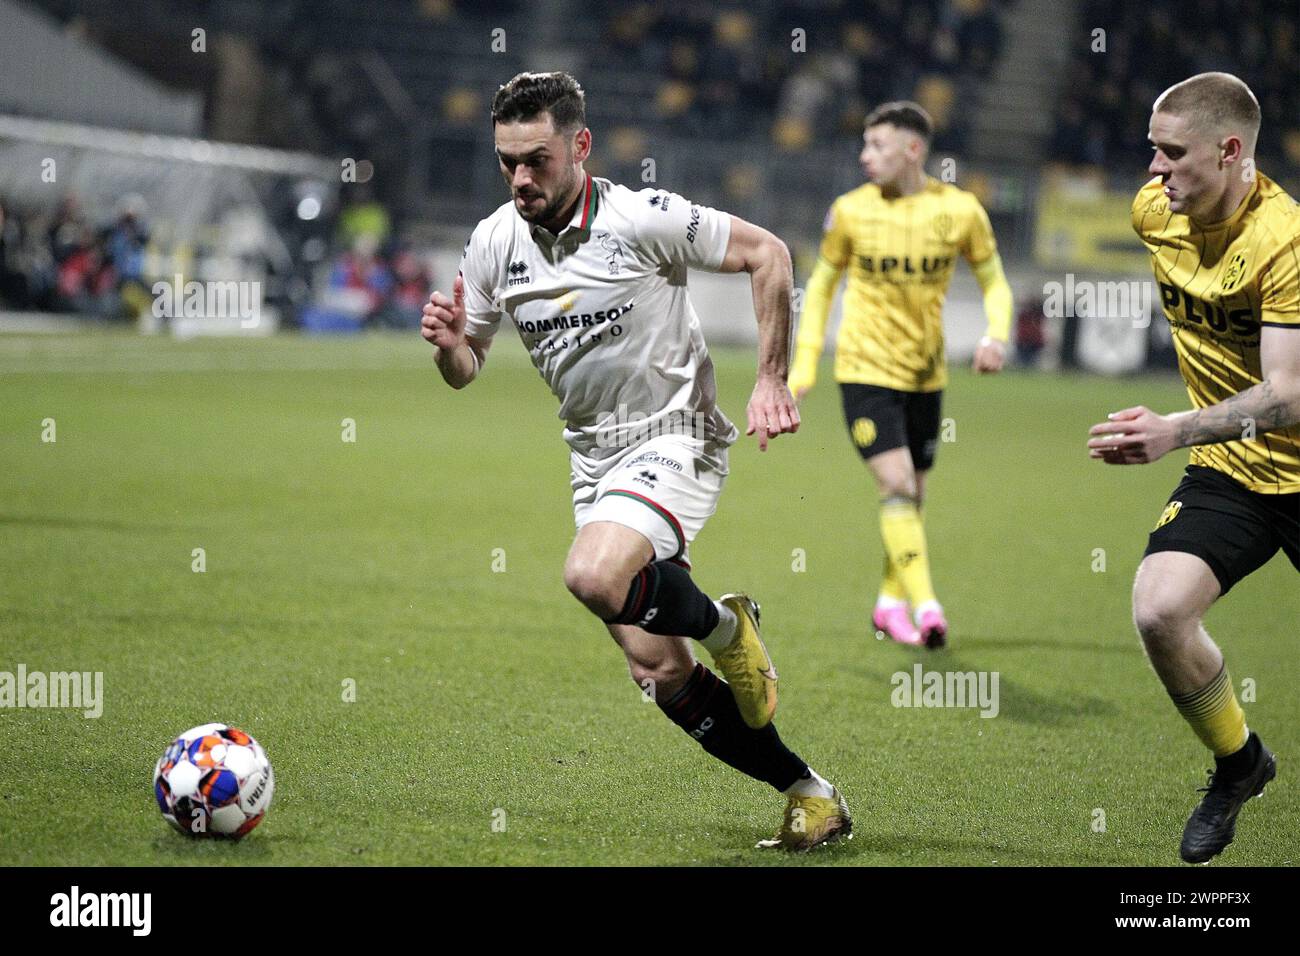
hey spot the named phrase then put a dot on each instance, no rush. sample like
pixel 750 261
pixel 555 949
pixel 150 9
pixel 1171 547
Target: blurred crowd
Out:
pixel 712 89
pixel 62 260
pixel 58 260
pixel 729 73
pixel 370 285
pixel 1102 119
pixel 368 278
pixel 743 99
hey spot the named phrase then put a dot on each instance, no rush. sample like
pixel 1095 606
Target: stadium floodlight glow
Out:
pixel 308 208
pixel 129 143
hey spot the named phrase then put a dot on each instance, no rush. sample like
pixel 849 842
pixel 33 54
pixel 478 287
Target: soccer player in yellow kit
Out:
pixel 1225 247
pixel 898 236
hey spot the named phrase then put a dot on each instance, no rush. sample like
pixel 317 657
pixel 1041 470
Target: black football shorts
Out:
pixel 881 419
pixel 1231 528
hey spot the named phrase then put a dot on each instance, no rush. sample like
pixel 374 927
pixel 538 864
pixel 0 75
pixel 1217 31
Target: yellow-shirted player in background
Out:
pixel 899 236
pixel 1225 247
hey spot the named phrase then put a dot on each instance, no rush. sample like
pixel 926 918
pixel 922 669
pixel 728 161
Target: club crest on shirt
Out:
pixel 613 251
pixel 1169 514
pixel 942 225
pixel 1234 272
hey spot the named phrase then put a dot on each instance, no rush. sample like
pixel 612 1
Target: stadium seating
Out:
pixel 1102 116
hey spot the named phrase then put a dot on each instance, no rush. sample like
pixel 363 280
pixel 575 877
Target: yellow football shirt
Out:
pixel 900 254
pixel 1219 284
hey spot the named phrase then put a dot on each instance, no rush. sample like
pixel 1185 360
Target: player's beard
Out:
pixel 552 209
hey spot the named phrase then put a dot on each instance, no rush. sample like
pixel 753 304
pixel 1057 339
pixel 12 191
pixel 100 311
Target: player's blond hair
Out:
pixel 1216 103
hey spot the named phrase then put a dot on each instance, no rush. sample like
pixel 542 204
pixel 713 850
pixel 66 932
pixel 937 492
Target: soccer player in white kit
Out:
pixel 593 276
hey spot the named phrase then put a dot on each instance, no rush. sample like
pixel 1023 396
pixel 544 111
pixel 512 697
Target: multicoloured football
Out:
pixel 214 781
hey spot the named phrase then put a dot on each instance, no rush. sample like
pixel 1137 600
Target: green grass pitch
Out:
pixel 491 697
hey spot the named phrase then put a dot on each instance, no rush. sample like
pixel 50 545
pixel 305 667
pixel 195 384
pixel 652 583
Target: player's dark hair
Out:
pixel 903 114
pixel 528 95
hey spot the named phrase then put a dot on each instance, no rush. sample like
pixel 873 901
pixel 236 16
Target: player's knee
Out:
pixel 896 485
pixel 659 679
pixel 897 490
pixel 594 585
pixel 1162 621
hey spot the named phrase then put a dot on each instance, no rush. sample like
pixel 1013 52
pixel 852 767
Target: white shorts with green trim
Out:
pixel 665 488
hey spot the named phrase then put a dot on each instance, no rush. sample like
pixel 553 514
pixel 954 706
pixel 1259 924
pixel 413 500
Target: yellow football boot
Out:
pixel 746 666
pixel 812 821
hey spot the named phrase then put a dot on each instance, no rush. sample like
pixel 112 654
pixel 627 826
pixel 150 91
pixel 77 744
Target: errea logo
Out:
pixel 518 274
pixel 659 201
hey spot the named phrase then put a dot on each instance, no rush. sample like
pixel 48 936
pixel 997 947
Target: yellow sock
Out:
pixel 904 537
pixel 891 585
pixel 1215 715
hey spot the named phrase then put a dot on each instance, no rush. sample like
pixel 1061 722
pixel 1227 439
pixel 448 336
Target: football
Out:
pixel 214 781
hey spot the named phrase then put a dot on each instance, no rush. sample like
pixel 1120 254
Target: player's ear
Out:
pixel 915 147
pixel 1230 150
pixel 581 145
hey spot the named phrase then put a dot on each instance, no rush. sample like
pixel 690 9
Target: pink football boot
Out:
pixel 932 625
pixel 897 623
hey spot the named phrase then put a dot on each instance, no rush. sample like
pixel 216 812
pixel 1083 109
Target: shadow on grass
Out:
pixel 300 624
pixel 1125 646
pixel 736 848
pixel 1017 701
pixel 84 524
pixel 884 849
pixel 258 849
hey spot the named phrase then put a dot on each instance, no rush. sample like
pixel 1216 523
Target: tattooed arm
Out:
pixel 1138 435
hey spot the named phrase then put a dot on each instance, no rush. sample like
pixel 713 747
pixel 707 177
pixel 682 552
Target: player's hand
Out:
pixel 1134 436
pixel 443 323
pixel 771 410
pixel 803 374
pixel 989 355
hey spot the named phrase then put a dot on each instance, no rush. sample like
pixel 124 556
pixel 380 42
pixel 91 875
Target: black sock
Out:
pixel 706 710
pixel 663 599
pixel 1240 762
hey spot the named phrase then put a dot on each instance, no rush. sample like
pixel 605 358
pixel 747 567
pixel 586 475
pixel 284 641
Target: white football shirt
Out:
pixel 603 310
